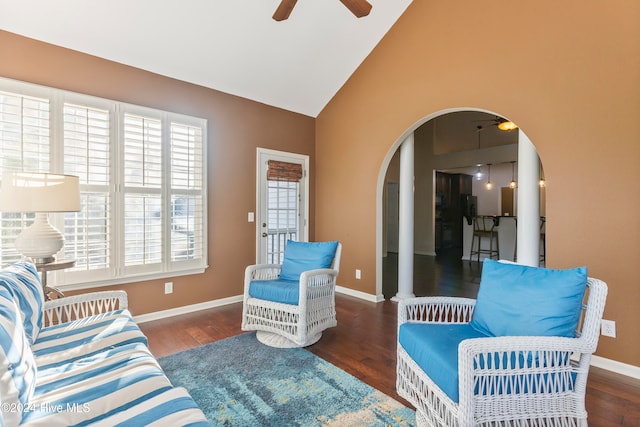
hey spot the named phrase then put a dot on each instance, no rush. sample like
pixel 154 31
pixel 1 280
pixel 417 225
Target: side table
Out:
pixel 51 266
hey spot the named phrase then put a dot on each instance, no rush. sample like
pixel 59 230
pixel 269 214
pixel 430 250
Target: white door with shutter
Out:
pixel 282 203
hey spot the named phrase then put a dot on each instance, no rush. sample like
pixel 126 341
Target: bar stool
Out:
pixel 484 228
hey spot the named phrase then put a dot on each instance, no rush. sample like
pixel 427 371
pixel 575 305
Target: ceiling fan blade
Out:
pixel 284 10
pixel 359 8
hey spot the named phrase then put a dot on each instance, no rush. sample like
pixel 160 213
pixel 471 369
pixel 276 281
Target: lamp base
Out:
pixel 40 241
pixel 43 260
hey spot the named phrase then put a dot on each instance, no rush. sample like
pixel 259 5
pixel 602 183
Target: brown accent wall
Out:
pixel 236 127
pixel 567 72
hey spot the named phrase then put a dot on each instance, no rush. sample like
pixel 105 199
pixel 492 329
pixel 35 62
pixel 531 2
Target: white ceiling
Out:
pixel 229 45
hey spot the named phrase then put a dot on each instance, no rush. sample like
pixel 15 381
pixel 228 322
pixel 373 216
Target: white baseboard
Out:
pixel 148 317
pixel 617 367
pixel 157 315
pixel 359 294
pixel 426 253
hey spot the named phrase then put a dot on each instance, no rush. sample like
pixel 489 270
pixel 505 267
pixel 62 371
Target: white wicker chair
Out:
pixel 288 325
pixel 537 403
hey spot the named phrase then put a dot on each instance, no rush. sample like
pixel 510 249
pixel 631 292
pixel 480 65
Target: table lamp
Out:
pixel 40 193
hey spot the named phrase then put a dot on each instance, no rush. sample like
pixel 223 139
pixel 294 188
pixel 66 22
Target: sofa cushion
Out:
pixel 17 365
pixel 23 281
pixel 434 347
pixel 63 343
pixel 172 407
pixel 284 291
pixel 304 256
pixel 520 300
pixel 92 387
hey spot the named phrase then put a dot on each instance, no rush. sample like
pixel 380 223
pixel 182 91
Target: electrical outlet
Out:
pixel 608 328
pixel 358 274
pixel 168 288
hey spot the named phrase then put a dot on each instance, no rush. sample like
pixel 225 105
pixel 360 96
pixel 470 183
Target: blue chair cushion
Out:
pixel 520 300
pixel 23 282
pixel 304 256
pixel 279 290
pixel 434 347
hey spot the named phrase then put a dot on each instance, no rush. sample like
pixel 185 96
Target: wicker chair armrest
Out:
pixel 319 283
pixel 260 272
pixel 470 348
pixel 435 310
pixel 318 276
pixel 481 361
pixel 83 305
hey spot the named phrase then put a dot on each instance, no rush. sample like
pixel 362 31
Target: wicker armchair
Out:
pixel 502 380
pixel 295 323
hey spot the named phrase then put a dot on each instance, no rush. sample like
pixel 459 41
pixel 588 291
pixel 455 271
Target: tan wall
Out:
pixel 236 127
pixel 567 72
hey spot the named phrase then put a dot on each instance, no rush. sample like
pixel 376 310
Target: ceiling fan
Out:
pixel 359 8
pixel 503 124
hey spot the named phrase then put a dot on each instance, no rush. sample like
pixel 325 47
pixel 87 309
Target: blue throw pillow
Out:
pixel 23 281
pixel 305 256
pixel 531 301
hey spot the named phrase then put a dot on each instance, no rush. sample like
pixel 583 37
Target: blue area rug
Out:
pixel 240 382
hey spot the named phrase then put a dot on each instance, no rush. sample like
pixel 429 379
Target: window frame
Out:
pixel 116 272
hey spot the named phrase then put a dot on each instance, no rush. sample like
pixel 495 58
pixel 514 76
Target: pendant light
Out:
pixel 507 125
pixel 489 183
pixel 542 182
pixel 478 175
pixel 513 183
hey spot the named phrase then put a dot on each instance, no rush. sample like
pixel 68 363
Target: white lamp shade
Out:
pixel 39 192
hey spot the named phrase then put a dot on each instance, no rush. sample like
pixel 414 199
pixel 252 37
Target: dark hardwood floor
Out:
pixel 445 274
pixel 364 342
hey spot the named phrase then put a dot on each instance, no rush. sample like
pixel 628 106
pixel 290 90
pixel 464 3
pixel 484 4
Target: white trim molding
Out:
pixel 615 366
pixel 157 315
pixel 359 294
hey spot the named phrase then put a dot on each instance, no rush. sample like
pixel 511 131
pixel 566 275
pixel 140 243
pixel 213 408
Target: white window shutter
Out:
pixel 142 183
pixel 87 153
pixel 24 146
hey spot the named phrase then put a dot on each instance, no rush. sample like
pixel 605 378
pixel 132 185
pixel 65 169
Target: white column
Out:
pixel 528 202
pixel 406 221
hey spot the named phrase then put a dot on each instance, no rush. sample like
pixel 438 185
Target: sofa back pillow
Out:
pixel 531 301
pixel 23 282
pixel 304 256
pixel 17 364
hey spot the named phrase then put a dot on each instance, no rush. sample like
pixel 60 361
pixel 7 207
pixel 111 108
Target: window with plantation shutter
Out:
pixel 187 177
pixel 87 151
pixel 24 145
pixel 142 183
pixel 142 170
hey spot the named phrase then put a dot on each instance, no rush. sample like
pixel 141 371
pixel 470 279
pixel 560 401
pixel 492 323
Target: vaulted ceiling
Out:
pixel 233 46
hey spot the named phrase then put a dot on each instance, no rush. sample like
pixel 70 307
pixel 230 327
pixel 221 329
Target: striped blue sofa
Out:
pixel 79 361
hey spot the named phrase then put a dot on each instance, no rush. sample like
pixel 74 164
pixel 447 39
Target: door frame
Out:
pixel 262 156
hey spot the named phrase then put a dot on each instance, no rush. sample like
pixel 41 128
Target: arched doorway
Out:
pixel 458 153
